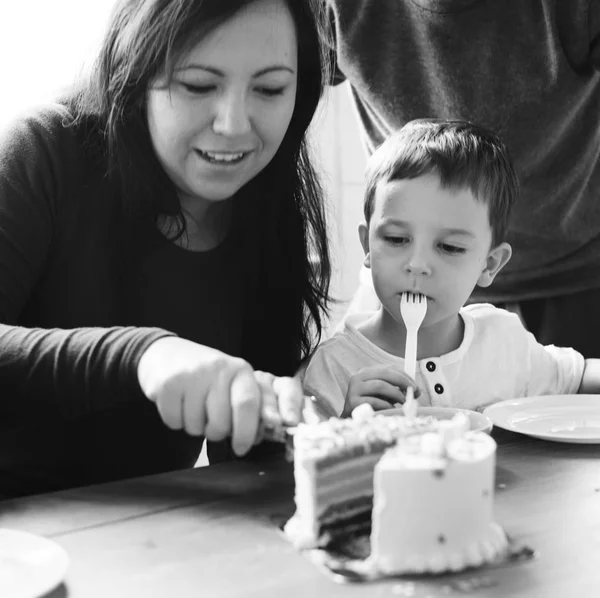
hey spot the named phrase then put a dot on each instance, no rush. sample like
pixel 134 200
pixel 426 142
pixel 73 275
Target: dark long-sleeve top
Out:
pixel 528 69
pixel 78 309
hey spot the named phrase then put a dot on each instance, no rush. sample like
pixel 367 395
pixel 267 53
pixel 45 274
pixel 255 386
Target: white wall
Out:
pixel 342 156
pixel 43 44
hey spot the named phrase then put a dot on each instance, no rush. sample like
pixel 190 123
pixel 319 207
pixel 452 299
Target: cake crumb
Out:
pixel 473 583
pixel 404 589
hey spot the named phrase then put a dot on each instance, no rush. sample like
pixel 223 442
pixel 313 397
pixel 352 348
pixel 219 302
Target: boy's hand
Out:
pixel 380 386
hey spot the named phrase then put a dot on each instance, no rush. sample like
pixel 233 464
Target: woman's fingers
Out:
pixel 245 411
pixel 194 414
pixel 260 435
pixel 290 399
pixel 269 411
pixel 219 418
pixel 282 402
pixel 169 403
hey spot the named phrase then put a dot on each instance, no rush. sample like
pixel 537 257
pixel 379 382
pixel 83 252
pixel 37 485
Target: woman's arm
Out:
pixel 71 371
pixel 65 369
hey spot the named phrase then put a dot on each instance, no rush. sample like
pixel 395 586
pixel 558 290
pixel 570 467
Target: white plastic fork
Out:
pixel 413 307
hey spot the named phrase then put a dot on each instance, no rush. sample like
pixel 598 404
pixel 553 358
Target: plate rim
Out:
pixel 59 569
pixel 501 408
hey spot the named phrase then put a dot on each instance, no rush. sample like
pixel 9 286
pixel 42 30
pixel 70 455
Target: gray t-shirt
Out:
pixel 525 69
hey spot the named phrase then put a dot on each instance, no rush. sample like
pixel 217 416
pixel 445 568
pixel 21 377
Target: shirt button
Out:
pixel 430 366
pixel 438 388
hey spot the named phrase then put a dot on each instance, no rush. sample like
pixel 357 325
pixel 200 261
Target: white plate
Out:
pixel 478 421
pixel 30 565
pixel 562 418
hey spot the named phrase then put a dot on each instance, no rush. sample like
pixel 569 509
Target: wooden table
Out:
pixel 212 532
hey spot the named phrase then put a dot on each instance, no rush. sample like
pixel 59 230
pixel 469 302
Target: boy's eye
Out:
pixel 451 249
pixel 395 240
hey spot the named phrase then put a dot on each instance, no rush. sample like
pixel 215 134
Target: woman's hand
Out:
pixel 282 403
pixel 380 386
pixel 206 392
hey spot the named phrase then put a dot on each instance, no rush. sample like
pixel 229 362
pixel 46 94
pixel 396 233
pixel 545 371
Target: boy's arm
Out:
pixel 590 382
pixel 326 379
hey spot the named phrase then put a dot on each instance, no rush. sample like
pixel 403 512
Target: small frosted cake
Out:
pixel 423 487
pixel 433 505
pixel 334 462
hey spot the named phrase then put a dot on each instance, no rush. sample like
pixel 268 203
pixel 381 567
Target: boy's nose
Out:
pixel 231 118
pixel 417 269
pixel 417 265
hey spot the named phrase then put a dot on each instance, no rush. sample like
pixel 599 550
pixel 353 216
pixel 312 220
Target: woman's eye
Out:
pixel 198 89
pixel 271 91
pixel 451 249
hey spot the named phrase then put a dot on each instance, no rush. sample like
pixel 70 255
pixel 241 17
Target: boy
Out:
pixel 437 203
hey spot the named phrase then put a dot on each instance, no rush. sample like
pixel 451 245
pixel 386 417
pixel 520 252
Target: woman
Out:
pixel 156 234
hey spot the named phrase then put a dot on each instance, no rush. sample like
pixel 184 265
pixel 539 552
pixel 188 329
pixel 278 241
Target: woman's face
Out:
pixel 225 114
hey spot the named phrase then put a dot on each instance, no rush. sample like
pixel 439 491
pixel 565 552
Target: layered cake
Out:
pixel 423 487
pixel 334 463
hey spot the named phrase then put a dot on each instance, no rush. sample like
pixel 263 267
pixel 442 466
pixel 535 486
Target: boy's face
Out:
pixel 432 240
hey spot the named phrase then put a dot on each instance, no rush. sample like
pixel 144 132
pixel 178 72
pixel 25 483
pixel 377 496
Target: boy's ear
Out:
pixel 496 260
pixel 363 234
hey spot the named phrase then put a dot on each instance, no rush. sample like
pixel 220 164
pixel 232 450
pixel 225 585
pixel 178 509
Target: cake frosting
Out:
pixel 433 505
pixel 423 487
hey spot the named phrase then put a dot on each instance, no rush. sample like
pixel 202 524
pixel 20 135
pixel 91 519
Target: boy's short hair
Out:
pixel 461 153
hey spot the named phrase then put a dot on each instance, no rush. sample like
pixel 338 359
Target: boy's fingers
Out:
pixel 378 404
pixel 390 375
pixel 382 390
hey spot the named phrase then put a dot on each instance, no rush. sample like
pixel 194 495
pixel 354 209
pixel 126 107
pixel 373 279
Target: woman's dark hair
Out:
pixel 282 207
pixel 462 154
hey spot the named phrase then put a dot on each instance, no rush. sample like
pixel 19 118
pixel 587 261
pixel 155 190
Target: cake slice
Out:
pixel 334 462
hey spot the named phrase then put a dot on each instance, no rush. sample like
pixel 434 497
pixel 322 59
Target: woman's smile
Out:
pixel 226 159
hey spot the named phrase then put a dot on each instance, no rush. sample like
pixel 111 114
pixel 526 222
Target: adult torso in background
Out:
pixel 525 69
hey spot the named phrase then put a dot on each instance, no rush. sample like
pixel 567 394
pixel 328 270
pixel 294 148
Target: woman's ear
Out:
pixel 363 234
pixel 496 260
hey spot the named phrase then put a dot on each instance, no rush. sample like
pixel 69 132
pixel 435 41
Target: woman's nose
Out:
pixel 231 118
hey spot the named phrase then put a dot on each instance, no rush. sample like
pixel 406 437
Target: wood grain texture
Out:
pixel 213 531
